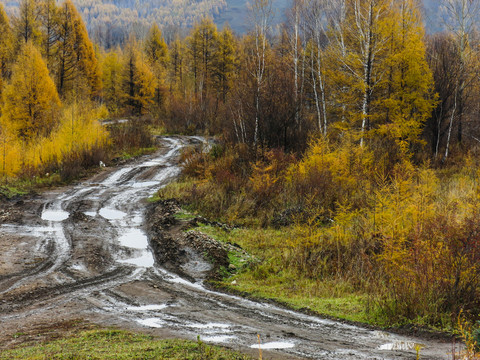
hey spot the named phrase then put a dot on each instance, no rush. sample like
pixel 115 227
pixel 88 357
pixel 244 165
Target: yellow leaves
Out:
pixel 31 102
pixel 138 81
pixel 36 132
pixel 78 130
pixel 156 49
pixel 112 80
pixel 262 178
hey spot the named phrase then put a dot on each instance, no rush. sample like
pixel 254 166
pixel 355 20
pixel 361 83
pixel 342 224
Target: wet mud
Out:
pixel 97 251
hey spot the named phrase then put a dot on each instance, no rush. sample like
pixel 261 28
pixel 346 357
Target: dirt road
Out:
pixel 83 252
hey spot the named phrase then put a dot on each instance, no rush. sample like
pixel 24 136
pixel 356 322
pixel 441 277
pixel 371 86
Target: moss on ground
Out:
pixel 117 344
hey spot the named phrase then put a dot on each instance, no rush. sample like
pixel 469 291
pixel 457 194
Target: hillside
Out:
pixel 109 21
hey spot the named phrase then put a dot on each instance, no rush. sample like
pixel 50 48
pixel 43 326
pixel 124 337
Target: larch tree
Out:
pixel 361 48
pixel 26 24
pixel 66 58
pixel 49 28
pixel 202 46
pixel 77 67
pixel 156 51
pixel 176 66
pixel 225 61
pixel 31 100
pixel 112 69
pixel 138 81
pixel 6 46
pixel 408 98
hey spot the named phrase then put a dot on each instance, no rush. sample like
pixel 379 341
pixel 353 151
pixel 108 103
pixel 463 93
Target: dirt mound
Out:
pixel 190 254
pixel 11 210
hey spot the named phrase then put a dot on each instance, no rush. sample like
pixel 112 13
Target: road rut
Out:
pixel 83 252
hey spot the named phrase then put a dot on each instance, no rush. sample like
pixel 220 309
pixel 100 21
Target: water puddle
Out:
pixel 217 339
pixel 210 326
pixel 55 215
pixel 78 267
pixel 112 179
pixel 136 219
pixel 144 184
pixel 151 322
pixel 274 345
pixel 147 307
pixel 134 238
pixel 111 214
pixel 145 260
pixel 401 345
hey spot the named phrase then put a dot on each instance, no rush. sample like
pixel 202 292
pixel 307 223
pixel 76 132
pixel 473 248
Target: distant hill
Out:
pixel 110 21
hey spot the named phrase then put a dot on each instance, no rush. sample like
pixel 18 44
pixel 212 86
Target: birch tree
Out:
pixel 459 17
pixel 261 16
pixel 361 46
pixel 316 22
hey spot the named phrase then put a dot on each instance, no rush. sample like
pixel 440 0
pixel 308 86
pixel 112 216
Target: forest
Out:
pixel 350 129
pixel 110 22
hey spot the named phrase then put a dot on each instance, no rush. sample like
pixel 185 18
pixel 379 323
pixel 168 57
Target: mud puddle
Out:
pixel 95 262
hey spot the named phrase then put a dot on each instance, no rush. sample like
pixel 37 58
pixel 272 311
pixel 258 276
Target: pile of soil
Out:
pixel 190 254
pixel 11 210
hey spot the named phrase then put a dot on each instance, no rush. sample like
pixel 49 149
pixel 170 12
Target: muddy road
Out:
pixel 82 252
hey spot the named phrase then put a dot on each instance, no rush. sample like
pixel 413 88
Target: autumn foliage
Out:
pixel 339 125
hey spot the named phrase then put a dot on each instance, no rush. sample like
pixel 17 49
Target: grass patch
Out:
pixel 117 344
pixel 184 215
pixel 11 188
pixel 269 279
pixel 136 152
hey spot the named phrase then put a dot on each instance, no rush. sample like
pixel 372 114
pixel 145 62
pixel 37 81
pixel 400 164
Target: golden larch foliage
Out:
pixel 31 101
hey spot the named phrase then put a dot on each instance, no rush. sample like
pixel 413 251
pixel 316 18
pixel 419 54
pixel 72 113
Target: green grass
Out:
pixel 184 215
pixel 268 278
pixel 116 344
pixel 135 152
pixel 13 187
pixel 19 187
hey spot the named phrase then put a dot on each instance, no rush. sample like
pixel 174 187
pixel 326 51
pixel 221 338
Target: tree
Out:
pixel 261 16
pixel 77 67
pixel 316 20
pixel 361 48
pixel 408 87
pixel 26 25
pixel 225 61
pixel 202 46
pixel 156 51
pixel 444 61
pixel 176 66
pixel 30 99
pixel 112 80
pixel 138 84
pixel 460 17
pixel 49 28
pixel 6 46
